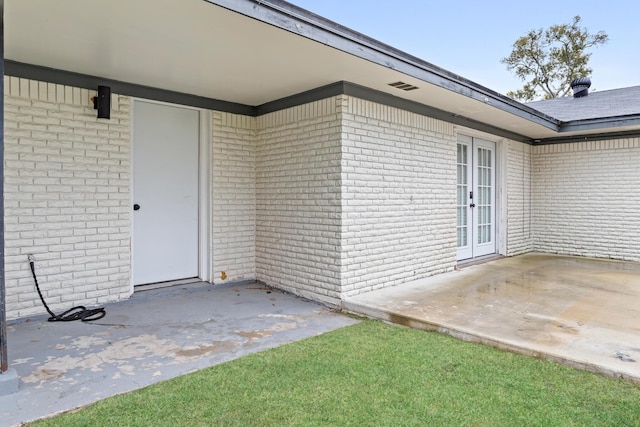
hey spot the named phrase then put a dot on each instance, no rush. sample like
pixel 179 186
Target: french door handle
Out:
pixel 472 205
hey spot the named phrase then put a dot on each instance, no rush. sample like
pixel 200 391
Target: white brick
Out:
pixel 326 199
pixel 519 198
pixel 55 201
pixel 298 166
pixel 398 169
pixel 586 198
pixel 233 229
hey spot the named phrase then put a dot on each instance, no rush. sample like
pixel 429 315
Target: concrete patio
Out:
pixel 578 311
pixel 154 336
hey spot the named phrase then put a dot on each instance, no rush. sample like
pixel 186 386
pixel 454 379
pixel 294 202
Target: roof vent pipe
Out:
pixel 580 87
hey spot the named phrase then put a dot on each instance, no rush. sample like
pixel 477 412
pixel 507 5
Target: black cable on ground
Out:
pixel 76 313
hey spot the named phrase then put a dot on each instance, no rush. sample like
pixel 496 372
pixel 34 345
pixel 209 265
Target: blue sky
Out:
pixel 470 37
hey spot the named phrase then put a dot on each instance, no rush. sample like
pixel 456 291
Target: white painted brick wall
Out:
pixel 399 193
pixel 298 200
pixel 233 203
pixel 66 197
pixel 326 200
pixel 586 198
pixel 519 198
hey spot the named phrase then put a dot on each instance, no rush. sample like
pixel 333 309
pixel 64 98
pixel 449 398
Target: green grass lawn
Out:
pixel 374 374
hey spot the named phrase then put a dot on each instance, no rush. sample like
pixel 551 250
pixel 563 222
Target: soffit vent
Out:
pixel 403 86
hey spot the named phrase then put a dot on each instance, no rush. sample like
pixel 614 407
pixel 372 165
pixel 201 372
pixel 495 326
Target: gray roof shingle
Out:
pixel 599 104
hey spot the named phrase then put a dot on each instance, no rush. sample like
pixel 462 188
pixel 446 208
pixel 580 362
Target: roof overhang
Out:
pixel 618 123
pixel 244 53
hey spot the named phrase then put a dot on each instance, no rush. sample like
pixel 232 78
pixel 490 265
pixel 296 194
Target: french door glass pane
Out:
pixel 484 196
pixel 462 192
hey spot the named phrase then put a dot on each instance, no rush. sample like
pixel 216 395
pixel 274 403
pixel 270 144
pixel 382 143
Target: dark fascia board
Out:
pixel 69 78
pixel 584 138
pixel 600 123
pixel 51 75
pixel 384 98
pixel 591 125
pixel 323 92
pixel 299 21
pixel 362 92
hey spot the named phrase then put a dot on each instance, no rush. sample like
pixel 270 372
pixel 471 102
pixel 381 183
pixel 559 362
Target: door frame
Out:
pixel 204 188
pixel 499 190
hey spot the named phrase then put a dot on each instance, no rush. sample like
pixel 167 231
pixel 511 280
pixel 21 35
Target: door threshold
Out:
pixel 169 283
pixel 479 260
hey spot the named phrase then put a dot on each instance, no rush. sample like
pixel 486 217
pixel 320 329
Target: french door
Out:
pixel 476 227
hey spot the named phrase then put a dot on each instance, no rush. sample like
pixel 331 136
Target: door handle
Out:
pixel 472 205
pixel 136 207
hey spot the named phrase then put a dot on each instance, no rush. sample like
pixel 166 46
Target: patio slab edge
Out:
pixel 9 382
pixel 413 322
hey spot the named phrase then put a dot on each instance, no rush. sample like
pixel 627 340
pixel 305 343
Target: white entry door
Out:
pixel 165 192
pixel 476 228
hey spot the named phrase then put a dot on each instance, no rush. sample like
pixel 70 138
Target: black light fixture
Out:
pixel 102 102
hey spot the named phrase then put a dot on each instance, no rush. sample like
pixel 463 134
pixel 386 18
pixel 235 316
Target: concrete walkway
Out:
pixel 579 311
pixel 154 336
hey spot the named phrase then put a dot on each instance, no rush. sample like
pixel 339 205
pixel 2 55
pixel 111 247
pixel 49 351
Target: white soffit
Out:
pixel 195 47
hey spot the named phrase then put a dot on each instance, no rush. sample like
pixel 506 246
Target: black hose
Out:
pixel 76 313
